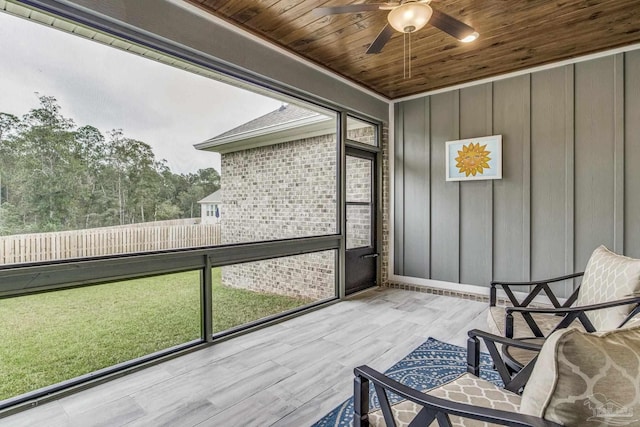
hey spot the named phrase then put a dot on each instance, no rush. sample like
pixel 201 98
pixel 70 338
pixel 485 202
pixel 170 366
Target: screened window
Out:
pixel 361 131
pixel 135 146
pixel 121 155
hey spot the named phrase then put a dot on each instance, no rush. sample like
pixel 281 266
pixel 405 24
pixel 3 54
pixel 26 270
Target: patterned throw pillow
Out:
pixel 608 277
pixel 583 379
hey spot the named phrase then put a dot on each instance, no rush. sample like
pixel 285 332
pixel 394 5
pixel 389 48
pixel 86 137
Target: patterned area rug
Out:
pixel 431 364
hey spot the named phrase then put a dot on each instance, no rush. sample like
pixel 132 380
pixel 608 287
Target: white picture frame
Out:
pixel 474 159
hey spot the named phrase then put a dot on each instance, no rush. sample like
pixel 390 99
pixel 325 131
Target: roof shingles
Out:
pixel 286 113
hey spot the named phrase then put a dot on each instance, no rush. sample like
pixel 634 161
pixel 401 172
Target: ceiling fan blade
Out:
pixel 381 40
pixel 451 25
pixel 351 8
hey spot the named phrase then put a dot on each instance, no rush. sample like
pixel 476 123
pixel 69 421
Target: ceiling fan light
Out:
pixel 471 37
pixel 410 17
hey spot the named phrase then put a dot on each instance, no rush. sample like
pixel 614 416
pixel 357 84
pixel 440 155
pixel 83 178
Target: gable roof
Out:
pixel 287 113
pixel 288 123
pixel 215 197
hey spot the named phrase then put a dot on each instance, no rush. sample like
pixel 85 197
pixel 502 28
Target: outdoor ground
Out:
pixel 288 374
pixel 51 337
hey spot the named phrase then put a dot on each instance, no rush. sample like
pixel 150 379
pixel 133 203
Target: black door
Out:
pixel 361 263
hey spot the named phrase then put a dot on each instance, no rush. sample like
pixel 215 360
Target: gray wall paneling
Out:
pixel 548 175
pixel 594 157
pixel 618 153
pixel 398 192
pixel 445 196
pixel 551 172
pixel 416 188
pixel 632 155
pixel 476 197
pixel 511 199
pixel 570 174
pixel 571 146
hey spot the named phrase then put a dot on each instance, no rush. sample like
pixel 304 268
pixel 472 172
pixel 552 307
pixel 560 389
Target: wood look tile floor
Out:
pixel 289 374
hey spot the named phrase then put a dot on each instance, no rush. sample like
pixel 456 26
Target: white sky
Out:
pixel 168 108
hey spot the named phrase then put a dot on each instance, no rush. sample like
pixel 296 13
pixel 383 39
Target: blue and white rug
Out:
pixel 431 364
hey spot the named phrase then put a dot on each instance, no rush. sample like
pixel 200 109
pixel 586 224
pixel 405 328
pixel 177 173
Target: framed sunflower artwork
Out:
pixel 474 158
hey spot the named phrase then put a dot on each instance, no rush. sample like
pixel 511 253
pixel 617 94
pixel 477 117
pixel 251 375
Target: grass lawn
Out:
pixel 52 337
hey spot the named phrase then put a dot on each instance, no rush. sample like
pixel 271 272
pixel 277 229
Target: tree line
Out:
pixel 55 175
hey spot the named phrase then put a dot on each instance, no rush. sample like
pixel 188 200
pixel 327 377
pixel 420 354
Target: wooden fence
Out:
pixel 146 237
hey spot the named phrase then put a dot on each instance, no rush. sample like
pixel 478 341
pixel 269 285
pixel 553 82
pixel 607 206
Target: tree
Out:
pixel 197 186
pixel 45 169
pixel 57 176
pixel 10 219
pixel 137 177
pixel 8 124
pixel 166 210
pixel 90 150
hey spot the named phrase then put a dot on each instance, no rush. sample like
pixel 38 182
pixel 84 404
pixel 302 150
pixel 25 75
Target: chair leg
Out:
pixel 508 332
pixel 473 356
pixel 360 402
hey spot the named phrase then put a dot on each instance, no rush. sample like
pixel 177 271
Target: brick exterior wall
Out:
pixel 279 191
pixel 386 200
pixel 359 175
pixel 358 226
pixel 307 276
pixel 364 135
pixel 282 191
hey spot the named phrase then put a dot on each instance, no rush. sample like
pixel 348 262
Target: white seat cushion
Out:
pixel 496 321
pixel 464 389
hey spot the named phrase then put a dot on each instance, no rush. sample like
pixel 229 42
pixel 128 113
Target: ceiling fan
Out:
pixel 406 16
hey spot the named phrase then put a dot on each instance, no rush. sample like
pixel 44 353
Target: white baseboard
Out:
pixel 464 288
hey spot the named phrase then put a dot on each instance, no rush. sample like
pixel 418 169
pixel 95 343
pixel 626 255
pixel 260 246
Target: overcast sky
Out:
pixel 97 85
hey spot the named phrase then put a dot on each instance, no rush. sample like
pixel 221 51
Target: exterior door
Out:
pixel 361 250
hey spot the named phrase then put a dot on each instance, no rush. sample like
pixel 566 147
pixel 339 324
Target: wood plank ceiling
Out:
pixel 514 35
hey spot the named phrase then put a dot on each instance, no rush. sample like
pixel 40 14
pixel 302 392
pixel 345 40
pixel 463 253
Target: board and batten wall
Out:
pixel 571 175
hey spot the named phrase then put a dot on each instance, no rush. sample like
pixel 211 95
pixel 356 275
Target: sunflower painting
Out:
pixel 475 158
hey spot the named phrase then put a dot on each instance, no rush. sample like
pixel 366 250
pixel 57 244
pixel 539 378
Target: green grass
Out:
pixel 52 337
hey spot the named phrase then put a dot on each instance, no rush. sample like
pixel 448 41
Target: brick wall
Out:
pixel 279 191
pixel 386 200
pixel 275 192
pixel 359 173
pixel 364 135
pixel 282 191
pixel 308 275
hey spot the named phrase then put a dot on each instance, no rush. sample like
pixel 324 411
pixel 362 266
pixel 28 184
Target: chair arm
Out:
pixel 538 286
pixel 538 282
pixel 579 309
pixel 569 314
pixel 513 381
pixel 438 405
pixel 511 342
